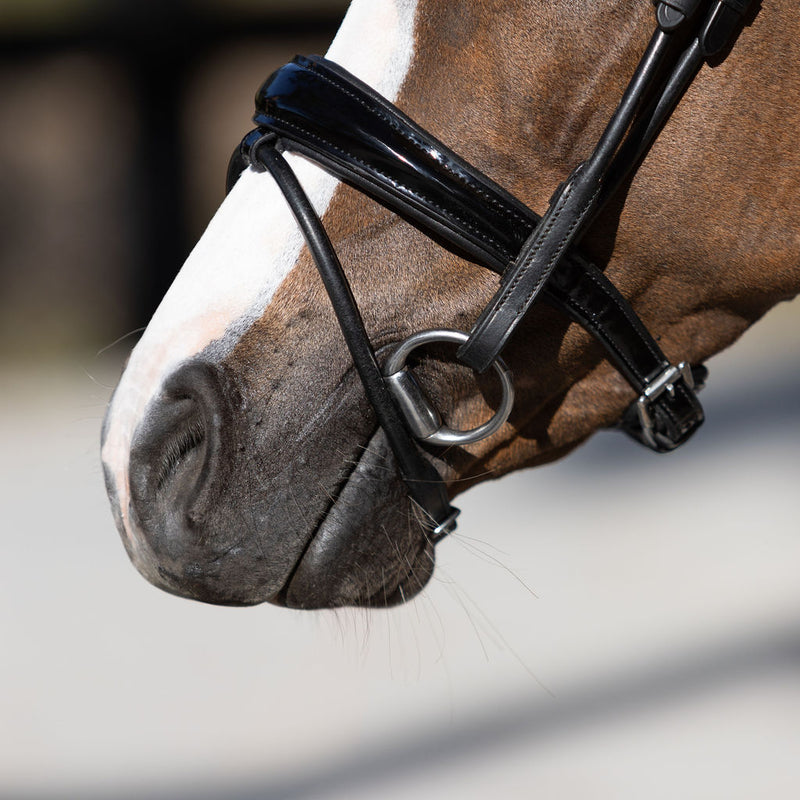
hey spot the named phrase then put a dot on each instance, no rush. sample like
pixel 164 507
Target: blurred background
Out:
pixel 614 626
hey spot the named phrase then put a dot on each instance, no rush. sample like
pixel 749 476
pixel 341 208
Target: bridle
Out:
pixel 315 108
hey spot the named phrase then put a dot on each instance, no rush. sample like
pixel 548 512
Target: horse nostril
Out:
pixel 185 442
pixel 183 495
pixel 175 453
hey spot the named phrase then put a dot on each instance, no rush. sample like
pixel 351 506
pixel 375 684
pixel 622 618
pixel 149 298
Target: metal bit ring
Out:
pixel 423 419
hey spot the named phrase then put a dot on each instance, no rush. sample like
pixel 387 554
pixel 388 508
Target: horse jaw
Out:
pixel 230 278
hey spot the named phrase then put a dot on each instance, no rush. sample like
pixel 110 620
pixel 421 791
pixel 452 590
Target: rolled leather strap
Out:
pixel 424 483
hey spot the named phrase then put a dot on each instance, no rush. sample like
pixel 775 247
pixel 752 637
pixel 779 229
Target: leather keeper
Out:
pixel 722 25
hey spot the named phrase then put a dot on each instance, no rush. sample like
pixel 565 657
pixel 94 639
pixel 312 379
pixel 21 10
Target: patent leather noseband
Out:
pixel 315 108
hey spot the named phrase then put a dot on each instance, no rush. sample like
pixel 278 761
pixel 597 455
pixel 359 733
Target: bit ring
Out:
pixel 422 418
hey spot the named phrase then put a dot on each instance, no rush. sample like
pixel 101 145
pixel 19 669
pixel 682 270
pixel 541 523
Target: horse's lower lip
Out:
pixel 401 587
pixel 411 581
pixel 355 556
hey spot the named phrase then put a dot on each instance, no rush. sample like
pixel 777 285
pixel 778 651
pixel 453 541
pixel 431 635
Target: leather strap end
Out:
pixel 722 25
pixel 525 279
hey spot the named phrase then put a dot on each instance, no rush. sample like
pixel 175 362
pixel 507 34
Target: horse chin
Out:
pixel 370 549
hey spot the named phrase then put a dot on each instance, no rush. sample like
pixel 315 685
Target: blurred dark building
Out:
pixel 116 123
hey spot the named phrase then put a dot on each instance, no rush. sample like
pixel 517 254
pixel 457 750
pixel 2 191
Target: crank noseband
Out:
pixel 315 108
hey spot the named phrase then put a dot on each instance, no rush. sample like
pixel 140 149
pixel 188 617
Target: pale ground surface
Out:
pixel 665 628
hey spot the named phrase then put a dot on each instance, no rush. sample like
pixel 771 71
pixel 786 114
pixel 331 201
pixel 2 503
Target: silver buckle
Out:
pixel 665 382
pixel 423 419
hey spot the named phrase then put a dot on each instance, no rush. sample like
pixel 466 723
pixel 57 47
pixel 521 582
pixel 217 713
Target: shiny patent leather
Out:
pixel 320 110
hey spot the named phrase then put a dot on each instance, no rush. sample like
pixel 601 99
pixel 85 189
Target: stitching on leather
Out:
pixel 663 405
pixel 593 321
pixel 465 177
pixel 506 296
pixel 444 211
pixel 652 348
pixel 559 251
pixel 468 180
pixel 540 236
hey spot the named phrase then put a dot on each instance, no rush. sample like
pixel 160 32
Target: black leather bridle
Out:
pixel 315 108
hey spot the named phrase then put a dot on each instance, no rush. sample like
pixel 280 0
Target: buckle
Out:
pixel 665 382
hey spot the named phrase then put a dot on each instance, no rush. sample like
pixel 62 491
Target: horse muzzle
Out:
pixel 182 451
pixel 225 507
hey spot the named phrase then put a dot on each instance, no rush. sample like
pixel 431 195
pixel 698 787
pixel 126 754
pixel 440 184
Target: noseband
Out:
pixel 315 108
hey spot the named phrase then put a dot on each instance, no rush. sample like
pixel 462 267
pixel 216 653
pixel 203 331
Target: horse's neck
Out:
pixel 708 236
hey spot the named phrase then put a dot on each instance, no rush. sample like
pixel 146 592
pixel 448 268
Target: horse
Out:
pixel 242 458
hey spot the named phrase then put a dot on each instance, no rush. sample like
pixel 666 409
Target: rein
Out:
pixel 315 108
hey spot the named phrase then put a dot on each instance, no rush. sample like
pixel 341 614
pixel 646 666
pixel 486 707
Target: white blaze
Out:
pixel 251 244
